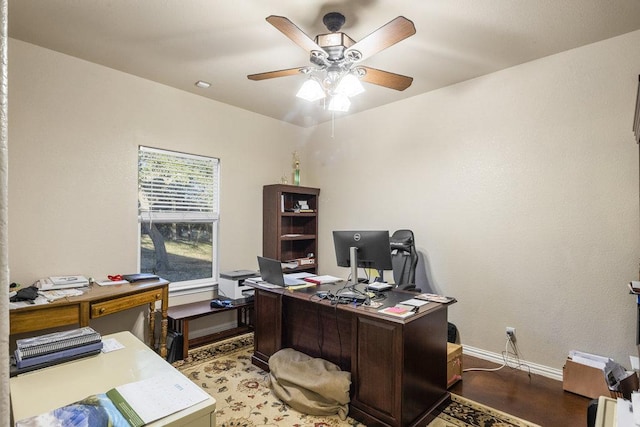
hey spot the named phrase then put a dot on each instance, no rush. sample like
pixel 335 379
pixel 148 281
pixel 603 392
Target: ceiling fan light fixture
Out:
pixel 350 85
pixel 340 103
pixel 334 56
pixel 311 90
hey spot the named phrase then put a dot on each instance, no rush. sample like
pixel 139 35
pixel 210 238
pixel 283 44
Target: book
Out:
pixel 320 280
pixel 58 356
pixel 397 311
pixel 56 341
pixel 414 304
pixel 436 298
pixel 137 277
pixel 134 404
pixel 14 370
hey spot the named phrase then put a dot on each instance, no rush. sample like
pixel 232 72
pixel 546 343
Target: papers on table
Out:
pixel 436 298
pixel 111 344
pixel 300 275
pixel 157 397
pixel 109 282
pixel 61 282
pixel 69 280
pixel 60 293
pixel 297 280
pixel 258 281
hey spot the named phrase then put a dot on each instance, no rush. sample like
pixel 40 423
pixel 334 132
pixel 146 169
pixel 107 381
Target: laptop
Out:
pixel 271 272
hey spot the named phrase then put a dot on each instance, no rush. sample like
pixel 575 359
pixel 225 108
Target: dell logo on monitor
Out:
pixel 356 237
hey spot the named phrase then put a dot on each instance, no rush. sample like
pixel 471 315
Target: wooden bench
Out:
pixel 180 315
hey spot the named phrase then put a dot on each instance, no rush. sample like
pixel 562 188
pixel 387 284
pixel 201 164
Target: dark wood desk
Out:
pixel 97 301
pixel 398 367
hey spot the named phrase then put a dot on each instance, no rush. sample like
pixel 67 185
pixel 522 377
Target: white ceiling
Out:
pixel 177 42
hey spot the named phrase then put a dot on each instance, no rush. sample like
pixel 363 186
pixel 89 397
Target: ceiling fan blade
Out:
pixel 274 74
pixel 389 34
pixel 289 29
pixel 385 78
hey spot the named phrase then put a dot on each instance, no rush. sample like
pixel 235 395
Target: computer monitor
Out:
pixel 365 249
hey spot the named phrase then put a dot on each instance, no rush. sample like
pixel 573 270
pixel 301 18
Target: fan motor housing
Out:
pixel 334 44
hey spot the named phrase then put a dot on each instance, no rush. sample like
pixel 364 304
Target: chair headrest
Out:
pixel 401 240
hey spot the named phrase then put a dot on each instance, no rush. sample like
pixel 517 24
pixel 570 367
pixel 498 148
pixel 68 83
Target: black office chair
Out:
pixel 404 259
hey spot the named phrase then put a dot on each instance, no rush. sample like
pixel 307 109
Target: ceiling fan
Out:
pixel 335 55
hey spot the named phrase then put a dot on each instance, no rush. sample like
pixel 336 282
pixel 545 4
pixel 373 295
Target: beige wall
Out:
pixel 521 186
pixel 522 190
pixel 74 130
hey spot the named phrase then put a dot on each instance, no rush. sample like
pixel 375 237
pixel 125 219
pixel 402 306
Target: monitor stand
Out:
pixel 353 260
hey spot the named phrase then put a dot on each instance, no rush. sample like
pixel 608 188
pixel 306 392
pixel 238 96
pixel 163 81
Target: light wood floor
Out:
pixel 538 399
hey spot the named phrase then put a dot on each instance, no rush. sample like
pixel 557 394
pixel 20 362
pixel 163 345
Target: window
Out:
pixel 178 211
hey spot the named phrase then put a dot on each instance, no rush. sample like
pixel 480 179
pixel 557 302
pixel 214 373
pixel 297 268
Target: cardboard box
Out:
pixel 454 363
pixel 584 380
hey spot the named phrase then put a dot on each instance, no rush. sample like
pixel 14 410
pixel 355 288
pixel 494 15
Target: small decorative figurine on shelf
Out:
pixel 296 169
pixel 284 180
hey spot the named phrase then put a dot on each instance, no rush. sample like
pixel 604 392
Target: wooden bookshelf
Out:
pixel 287 232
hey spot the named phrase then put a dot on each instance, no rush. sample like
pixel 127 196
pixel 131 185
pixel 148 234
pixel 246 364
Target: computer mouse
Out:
pixel 322 294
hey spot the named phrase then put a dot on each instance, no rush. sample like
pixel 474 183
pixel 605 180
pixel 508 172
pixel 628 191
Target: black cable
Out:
pixel 320 331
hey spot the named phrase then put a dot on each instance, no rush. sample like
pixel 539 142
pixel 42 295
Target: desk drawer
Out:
pixel 105 308
pixel 50 316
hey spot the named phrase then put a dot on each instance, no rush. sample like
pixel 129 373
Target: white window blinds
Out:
pixel 177 187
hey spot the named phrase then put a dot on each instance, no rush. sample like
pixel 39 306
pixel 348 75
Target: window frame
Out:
pixel 213 218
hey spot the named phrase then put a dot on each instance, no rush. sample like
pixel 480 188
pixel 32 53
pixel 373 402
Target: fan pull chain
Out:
pixel 333 124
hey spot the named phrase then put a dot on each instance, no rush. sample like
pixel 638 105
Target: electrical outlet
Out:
pixel 511 333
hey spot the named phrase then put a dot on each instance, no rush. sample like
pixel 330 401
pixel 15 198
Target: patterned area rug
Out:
pixel 244 399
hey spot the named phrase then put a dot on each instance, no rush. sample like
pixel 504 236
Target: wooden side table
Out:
pixel 180 315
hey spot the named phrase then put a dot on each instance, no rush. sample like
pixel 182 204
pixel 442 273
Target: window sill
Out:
pixel 188 289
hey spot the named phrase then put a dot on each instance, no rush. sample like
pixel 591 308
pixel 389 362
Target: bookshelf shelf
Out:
pixel 299 237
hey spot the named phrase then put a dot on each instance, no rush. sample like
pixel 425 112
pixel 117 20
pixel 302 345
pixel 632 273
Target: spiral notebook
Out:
pixel 57 341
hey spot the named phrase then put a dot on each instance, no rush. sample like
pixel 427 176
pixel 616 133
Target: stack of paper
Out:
pixel 613 371
pixel 62 282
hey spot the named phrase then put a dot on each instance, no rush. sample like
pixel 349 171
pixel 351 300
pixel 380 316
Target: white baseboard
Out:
pixel 535 368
